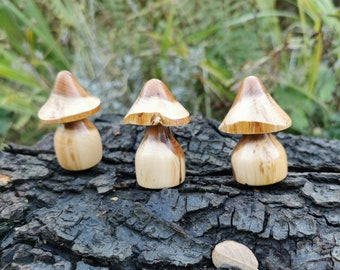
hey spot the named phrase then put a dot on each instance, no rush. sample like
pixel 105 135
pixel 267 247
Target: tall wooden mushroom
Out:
pixel 258 159
pixel 77 142
pixel 159 160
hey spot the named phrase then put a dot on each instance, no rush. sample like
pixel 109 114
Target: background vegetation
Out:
pixel 200 49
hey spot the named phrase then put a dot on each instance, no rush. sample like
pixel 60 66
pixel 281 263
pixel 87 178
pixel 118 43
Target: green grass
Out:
pixel 200 49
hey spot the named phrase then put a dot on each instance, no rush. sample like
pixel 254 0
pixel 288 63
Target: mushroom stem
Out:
pixel 259 160
pixel 159 159
pixel 77 145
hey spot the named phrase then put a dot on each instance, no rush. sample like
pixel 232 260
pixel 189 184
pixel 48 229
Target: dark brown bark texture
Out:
pixel 100 219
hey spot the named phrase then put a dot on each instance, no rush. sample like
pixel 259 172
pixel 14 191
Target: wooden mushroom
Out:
pixel 77 142
pixel 159 160
pixel 258 159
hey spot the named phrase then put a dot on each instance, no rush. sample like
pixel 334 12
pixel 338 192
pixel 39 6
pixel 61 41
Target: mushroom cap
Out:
pixel 156 105
pixel 254 111
pixel 68 101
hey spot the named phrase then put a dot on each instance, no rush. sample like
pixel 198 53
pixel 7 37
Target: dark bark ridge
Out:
pixel 100 219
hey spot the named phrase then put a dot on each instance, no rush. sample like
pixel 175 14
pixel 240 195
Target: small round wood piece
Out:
pixel 4 179
pixel 231 254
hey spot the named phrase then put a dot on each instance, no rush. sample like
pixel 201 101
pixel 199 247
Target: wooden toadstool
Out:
pixel 159 160
pixel 258 159
pixel 77 142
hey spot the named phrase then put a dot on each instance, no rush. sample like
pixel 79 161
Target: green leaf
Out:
pixel 297 105
pixel 16 76
pixel 32 18
pixel 215 70
pixel 21 121
pixel 5 122
pixel 326 85
pixel 17 102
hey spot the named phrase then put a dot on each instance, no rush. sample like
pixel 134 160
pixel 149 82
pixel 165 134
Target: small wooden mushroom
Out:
pixel 258 159
pixel 159 160
pixel 77 142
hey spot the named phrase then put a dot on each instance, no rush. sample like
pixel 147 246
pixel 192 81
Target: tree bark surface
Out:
pixel 100 219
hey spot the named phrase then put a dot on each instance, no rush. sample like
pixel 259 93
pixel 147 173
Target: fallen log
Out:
pixel 100 219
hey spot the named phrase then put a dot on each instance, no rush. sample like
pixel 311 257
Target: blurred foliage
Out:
pixel 200 49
